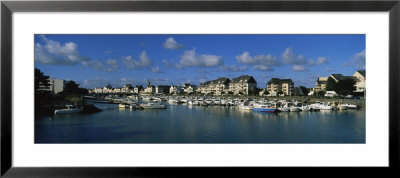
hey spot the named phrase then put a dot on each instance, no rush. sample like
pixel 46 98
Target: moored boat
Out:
pixel 153 106
pixel 71 109
pixel 264 108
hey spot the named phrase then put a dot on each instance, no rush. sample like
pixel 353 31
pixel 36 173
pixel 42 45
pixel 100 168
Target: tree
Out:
pixel 279 93
pixel 71 87
pixel 254 91
pixel 320 93
pixel 266 92
pixel 346 87
pixel 304 90
pixel 331 85
pixel 40 79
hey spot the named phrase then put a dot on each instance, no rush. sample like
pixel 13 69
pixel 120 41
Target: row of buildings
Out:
pixel 359 77
pixel 242 85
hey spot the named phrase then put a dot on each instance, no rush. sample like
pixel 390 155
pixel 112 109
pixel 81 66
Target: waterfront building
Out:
pixel 217 87
pixel 203 88
pixel 98 90
pixel 55 86
pixel 107 89
pixel 116 90
pixel 175 89
pixel 127 88
pixel 276 85
pixel 320 84
pixel 242 85
pixel 150 89
pixel 188 88
pixel 360 82
pixel 162 89
pixel 138 89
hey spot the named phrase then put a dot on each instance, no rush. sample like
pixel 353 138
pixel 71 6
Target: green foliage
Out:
pixel 73 88
pixel 331 85
pixel 346 87
pixel 320 93
pixel 343 87
pixel 304 90
pixel 266 92
pixel 40 79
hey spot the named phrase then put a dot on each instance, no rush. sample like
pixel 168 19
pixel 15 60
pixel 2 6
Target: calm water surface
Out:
pixel 197 124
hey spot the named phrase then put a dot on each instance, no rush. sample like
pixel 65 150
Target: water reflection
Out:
pixel 181 123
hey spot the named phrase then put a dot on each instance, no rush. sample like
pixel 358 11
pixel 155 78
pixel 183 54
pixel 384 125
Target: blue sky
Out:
pixel 98 60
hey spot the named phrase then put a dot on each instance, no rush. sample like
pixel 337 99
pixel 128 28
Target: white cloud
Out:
pixel 144 61
pixel 322 60
pixel 54 53
pixel 170 43
pixel 329 69
pixel 192 59
pixel 156 70
pixel 263 68
pixel 268 59
pixel 233 68
pixel 109 66
pixel 299 68
pixel 357 60
pixel 288 56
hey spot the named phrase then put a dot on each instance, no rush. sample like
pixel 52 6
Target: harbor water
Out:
pixel 182 123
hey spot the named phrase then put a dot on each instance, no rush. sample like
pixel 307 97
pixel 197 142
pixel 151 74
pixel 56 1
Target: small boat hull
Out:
pixel 67 111
pixel 269 110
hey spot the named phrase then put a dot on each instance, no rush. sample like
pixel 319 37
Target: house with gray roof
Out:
pixel 276 85
pixel 242 85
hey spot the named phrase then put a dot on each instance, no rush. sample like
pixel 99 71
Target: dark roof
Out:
pixel 286 81
pixel 128 86
pixel 244 78
pixel 205 83
pixel 338 76
pixel 274 80
pixel 341 77
pixel 278 81
pixel 222 80
pixel 362 72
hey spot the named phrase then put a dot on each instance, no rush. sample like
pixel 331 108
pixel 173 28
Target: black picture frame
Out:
pixel 8 7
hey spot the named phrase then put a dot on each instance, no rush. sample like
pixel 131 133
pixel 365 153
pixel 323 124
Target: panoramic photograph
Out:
pixel 200 88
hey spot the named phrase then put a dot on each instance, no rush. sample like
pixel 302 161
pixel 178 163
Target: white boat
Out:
pixel 193 102
pixel 223 101
pixel 184 100
pixel 172 100
pixel 342 107
pixel 325 106
pixel 284 109
pixel 123 105
pixel 265 107
pixel 71 109
pixel 246 106
pixel 294 109
pixel 208 101
pixel 216 101
pixel 350 106
pixel 152 106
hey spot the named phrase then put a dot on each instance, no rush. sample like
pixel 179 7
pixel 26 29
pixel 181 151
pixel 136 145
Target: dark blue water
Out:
pixel 197 124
